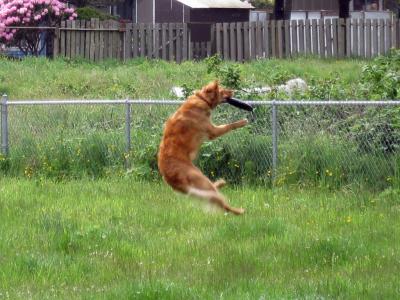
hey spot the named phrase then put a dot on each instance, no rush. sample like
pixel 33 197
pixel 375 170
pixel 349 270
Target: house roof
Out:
pixel 216 4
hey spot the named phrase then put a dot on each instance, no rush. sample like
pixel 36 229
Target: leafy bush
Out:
pixel 228 73
pixel 381 78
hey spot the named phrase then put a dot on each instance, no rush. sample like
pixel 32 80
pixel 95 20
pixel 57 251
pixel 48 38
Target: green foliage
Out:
pixel 243 158
pixel 230 76
pixel 228 73
pixel 381 77
pixel 88 12
pixel 213 64
pixel 333 162
pixel 378 130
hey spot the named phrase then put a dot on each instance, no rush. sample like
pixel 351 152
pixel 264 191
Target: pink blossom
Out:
pixel 32 12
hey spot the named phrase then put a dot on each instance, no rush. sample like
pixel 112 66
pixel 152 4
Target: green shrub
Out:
pixel 381 77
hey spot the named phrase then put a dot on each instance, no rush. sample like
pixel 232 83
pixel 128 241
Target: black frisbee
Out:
pixel 239 104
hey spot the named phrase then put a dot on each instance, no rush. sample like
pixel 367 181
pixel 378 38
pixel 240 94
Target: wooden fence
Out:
pixel 336 38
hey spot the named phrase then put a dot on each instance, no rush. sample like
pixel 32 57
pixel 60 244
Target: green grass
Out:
pixel 41 78
pixel 118 239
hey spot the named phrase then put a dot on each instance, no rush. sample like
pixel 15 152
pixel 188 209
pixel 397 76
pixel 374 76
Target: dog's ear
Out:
pixel 212 86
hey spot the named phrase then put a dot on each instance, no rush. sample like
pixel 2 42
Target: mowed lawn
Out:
pixel 119 239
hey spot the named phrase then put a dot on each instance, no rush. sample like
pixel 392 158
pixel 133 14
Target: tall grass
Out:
pixel 40 78
pixel 76 142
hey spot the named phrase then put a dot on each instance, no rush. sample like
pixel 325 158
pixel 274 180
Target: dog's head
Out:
pixel 214 94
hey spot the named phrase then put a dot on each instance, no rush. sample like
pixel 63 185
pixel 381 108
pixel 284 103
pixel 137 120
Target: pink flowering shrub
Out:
pixel 30 13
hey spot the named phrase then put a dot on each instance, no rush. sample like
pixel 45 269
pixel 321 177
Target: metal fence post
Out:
pixel 4 125
pixel 127 132
pixel 274 141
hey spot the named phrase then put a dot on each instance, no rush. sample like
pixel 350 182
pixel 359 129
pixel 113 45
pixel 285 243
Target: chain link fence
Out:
pixel 332 144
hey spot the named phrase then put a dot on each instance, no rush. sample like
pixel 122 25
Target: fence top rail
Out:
pixel 177 102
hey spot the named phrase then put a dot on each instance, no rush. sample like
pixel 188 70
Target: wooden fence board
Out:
pixel 348 37
pixel 258 40
pixel 178 43
pixel 56 43
pixel 267 44
pixel 301 36
pixel 149 40
pixel 164 41
pixel 68 44
pixel 92 40
pixel 185 42
pixel 328 36
pixel 314 36
pixel 246 44
pixel 142 40
pixel 341 38
pixel 232 41
pixel 368 36
pixel 287 38
pixel 156 48
pixel 307 30
pixel 381 37
pixel 208 48
pixel 127 42
pixel 81 25
pixel 105 39
pixel 393 42
pixel 74 40
pixel 280 38
pixel 397 33
pixel 321 37
pixel 355 37
pixel 62 38
pixel 253 37
pixel 388 36
pixel 294 37
pixel 334 26
pixel 239 39
pixel 375 41
pixel 86 44
pixel 101 41
pixel 362 37
pixel 273 39
pixel 218 38
pixel 97 39
pixel 225 40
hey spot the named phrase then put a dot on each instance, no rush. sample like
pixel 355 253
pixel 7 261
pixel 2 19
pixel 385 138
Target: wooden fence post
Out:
pixel 56 42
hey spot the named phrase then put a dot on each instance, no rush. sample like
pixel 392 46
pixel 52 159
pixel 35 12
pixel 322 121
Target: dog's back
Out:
pixel 183 135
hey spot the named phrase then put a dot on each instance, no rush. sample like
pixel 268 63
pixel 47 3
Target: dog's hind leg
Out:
pixel 219 183
pixel 215 198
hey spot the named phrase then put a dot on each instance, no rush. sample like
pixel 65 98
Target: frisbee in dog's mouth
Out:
pixel 239 104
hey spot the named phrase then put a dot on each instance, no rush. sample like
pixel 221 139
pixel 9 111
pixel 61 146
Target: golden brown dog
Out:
pixel 184 133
